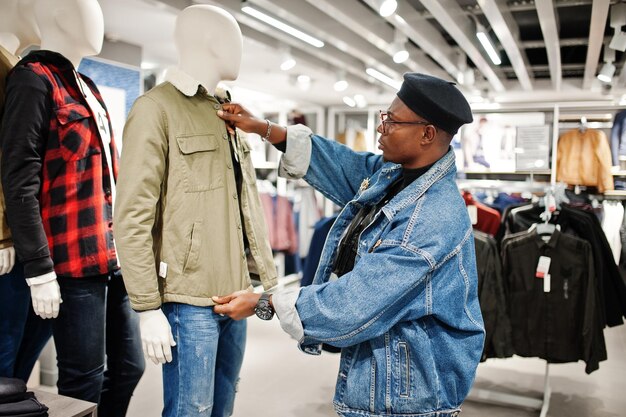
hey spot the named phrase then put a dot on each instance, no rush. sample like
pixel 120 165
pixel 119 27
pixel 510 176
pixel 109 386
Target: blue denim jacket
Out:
pixel 407 317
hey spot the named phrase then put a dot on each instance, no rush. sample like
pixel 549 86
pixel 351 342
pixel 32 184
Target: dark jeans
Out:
pixel 23 333
pixel 96 318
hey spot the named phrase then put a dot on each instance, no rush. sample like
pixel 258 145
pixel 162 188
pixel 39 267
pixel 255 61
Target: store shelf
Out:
pixel 619 174
pixel 538 175
pixel 616 194
pixel 265 165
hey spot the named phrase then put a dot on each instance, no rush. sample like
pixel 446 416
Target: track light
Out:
pixel 485 41
pixel 341 84
pixel 287 61
pixel 386 8
pixel 398 48
pixel 606 73
pixel 296 33
pixel 360 101
pixel 618 41
pixel 349 101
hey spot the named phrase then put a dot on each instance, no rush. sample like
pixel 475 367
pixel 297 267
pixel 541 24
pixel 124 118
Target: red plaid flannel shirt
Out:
pixel 75 195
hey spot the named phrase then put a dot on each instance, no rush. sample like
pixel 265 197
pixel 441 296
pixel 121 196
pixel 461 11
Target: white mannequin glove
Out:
pixel 7 260
pixel 46 299
pixel 156 336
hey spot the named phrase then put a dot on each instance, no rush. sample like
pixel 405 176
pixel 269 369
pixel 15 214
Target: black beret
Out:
pixel 436 100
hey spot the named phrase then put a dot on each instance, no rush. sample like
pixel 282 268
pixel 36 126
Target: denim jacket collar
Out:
pixel 443 167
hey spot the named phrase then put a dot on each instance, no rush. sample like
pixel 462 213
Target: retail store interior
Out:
pixel 546 151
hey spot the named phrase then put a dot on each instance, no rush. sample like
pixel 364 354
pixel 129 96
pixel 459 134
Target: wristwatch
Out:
pixel 264 309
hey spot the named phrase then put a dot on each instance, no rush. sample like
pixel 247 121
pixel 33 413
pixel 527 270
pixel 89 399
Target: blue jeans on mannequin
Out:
pixel 91 305
pixel 201 379
pixel 24 334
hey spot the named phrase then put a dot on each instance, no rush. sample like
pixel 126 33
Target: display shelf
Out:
pixel 265 165
pixel 538 175
pixel 615 195
pixel 619 174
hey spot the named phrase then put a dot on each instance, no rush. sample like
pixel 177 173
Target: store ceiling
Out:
pixel 551 50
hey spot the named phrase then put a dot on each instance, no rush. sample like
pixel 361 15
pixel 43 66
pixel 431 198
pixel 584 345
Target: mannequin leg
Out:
pixel 14 306
pixel 230 351
pixel 37 332
pixel 188 380
pixel 79 337
pixel 125 362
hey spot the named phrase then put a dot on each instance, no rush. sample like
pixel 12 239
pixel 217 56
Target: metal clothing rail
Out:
pixel 502 398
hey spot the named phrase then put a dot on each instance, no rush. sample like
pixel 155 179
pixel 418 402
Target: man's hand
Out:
pixel 237 305
pixel 7 260
pixel 46 299
pixel 156 336
pixel 236 116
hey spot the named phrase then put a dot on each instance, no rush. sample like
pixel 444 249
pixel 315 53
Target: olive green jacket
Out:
pixel 178 218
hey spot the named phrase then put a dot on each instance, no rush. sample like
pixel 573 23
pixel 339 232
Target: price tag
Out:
pixel 546 283
pixel 163 270
pixel 542 267
pixel 473 213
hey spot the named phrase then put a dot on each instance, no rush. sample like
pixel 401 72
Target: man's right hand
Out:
pixel 46 299
pixel 7 260
pixel 156 336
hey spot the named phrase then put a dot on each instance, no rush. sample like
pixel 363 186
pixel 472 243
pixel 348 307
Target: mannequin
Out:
pixel 59 191
pixel 23 334
pixel 182 178
pixel 18 31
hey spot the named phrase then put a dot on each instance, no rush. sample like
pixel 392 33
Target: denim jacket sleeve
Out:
pixel 332 168
pixel 385 287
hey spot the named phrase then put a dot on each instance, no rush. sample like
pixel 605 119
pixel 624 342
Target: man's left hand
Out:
pixel 237 305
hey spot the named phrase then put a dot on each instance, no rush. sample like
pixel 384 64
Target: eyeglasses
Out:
pixel 384 120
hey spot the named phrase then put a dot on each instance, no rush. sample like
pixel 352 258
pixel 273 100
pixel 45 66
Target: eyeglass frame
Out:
pixel 384 121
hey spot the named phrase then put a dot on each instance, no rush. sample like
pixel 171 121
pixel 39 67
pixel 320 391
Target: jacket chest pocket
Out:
pixel 202 166
pixel 76 137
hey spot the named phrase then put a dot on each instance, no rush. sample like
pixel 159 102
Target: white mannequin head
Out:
pixel 18 29
pixel 73 28
pixel 209 44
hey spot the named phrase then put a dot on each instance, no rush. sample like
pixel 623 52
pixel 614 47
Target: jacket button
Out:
pixel 235 196
pixel 225 136
pixel 216 106
pixel 228 165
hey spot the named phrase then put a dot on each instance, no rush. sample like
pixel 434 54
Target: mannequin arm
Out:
pixel 7 260
pixel 156 336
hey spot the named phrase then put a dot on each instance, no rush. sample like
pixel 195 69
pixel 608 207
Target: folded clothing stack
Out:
pixel 16 402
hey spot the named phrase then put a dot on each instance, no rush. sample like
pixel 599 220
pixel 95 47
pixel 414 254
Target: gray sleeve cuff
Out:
pixel 295 161
pixel 284 303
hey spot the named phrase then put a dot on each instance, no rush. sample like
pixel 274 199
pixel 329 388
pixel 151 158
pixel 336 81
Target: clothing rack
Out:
pixel 551 200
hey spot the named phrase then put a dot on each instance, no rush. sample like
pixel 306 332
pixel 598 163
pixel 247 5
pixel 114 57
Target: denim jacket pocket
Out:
pixel 75 139
pixel 200 162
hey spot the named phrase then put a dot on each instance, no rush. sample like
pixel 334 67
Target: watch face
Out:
pixel 264 311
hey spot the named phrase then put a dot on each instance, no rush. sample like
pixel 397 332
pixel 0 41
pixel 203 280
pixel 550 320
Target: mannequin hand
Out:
pixel 237 305
pixel 156 336
pixel 236 116
pixel 46 299
pixel 7 260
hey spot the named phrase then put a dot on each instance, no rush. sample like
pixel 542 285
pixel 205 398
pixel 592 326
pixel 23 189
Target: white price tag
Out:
pixel 543 267
pixel 163 270
pixel 546 283
pixel 473 213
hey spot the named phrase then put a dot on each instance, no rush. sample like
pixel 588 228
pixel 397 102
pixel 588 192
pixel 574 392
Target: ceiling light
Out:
pixel 383 78
pixel 360 101
pixel 246 8
pixel 386 8
pixel 287 61
pixel 618 15
pixel 349 101
pixel 606 73
pixel 485 41
pixel 398 47
pixel 341 84
pixel 618 41
pixel 304 82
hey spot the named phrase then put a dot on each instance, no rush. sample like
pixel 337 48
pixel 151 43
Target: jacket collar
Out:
pixel 189 86
pixel 48 58
pixel 442 168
